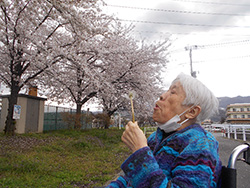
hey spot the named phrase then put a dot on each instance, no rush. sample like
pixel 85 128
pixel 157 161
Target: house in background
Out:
pixel 238 113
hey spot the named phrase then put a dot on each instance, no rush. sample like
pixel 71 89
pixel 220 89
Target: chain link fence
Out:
pixel 56 118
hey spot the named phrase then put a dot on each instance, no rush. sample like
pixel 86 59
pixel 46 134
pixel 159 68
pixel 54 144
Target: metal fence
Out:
pixel 55 118
pixel 236 131
pixel 241 132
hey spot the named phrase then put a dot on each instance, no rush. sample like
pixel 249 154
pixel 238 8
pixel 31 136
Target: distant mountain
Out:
pixel 224 101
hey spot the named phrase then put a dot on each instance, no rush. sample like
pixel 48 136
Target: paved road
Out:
pixel 243 170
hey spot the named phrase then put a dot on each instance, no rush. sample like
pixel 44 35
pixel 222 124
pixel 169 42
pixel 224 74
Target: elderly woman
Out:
pixel 180 153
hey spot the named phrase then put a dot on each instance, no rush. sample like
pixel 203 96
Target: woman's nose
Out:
pixel 163 96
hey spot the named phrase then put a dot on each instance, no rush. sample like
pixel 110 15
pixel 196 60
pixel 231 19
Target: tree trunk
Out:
pixel 10 123
pixel 107 121
pixel 78 116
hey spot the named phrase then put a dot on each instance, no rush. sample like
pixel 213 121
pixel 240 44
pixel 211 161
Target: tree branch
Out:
pixel 89 96
pixel 25 67
pixel 85 87
pixel 16 22
pixel 5 80
pixel 41 70
pixel 67 87
pixel 59 25
pixel 44 19
pixel 6 23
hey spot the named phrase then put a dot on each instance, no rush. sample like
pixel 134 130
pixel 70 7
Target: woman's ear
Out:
pixel 193 112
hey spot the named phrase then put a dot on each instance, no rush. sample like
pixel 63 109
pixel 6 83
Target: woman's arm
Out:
pixel 119 183
pixel 196 165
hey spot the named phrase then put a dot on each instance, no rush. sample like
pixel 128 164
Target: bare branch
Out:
pixel 16 22
pixel 89 96
pixel 5 80
pixel 6 23
pixel 44 19
pixel 59 25
pixel 25 67
pixel 41 70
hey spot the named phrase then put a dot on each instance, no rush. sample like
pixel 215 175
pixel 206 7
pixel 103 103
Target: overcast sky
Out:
pixel 217 31
pixel 220 29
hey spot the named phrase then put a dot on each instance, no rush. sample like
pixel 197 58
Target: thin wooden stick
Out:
pixel 132 108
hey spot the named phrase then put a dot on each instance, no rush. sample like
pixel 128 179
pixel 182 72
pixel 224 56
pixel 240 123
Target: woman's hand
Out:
pixel 133 137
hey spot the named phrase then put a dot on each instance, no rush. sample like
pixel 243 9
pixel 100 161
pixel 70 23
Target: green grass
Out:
pixel 65 158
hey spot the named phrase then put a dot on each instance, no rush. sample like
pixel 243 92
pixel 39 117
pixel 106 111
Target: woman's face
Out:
pixel 170 104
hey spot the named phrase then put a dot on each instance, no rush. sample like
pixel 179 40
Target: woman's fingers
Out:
pixel 133 136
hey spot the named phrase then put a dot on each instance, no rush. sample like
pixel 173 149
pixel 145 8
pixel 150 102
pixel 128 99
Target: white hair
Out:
pixel 198 94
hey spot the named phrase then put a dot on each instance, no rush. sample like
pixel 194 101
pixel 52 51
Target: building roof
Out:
pixel 239 104
pixel 23 95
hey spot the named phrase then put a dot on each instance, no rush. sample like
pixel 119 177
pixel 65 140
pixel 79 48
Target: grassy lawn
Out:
pixel 61 158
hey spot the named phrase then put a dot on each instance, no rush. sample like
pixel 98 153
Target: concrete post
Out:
pixel 244 133
pixel 235 133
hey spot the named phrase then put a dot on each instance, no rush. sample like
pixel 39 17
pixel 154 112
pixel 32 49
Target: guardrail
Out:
pixel 238 132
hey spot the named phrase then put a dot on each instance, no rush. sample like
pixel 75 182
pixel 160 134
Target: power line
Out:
pixel 210 34
pixel 211 60
pixel 213 3
pixel 182 24
pixel 212 45
pixel 194 47
pixel 218 59
pixel 178 11
pixel 226 43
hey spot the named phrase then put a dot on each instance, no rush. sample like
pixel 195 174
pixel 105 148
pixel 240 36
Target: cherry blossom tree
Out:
pixel 133 66
pixel 80 77
pixel 105 67
pixel 34 36
pixel 77 51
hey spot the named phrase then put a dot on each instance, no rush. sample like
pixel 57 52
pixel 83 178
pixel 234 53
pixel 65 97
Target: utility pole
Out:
pixel 190 48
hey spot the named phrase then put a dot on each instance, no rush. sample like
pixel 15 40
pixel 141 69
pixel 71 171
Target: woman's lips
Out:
pixel 156 107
